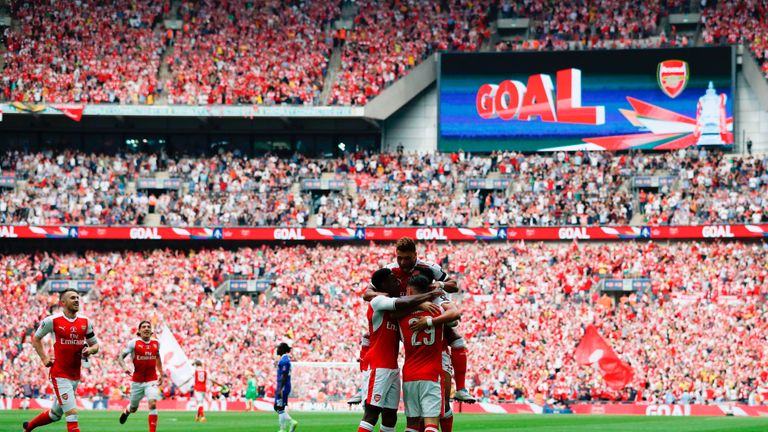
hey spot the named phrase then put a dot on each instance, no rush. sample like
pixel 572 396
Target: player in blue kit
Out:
pixel 284 389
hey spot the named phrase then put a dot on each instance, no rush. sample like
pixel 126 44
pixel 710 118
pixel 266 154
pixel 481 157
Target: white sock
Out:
pixel 367 426
pixel 386 428
pixel 281 418
pixel 72 418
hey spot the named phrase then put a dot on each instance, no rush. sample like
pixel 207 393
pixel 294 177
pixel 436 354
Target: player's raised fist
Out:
pixel 48 361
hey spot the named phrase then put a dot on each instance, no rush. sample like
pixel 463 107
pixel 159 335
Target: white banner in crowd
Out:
pixel 175 361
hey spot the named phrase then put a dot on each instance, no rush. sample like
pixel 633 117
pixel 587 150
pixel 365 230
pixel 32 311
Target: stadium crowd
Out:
pixel 83 51
pixel 390 38
pixel 269 52
pixel 69 187
pixel 243 52
pixel 740 21
pixel 698 334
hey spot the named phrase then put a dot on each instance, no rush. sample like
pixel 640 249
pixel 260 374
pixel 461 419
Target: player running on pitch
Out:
pixel 147 373
pixel 74 340
pixel 284 388
pixel 381 380
pixel 201 388
pixel 404 268
pixel 422 334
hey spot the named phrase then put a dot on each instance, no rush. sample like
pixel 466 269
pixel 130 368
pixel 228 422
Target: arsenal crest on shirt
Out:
pixel 673 77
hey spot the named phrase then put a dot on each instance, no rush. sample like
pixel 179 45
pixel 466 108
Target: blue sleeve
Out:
pixel 283 369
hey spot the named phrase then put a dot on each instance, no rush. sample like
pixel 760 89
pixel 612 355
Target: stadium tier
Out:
pixel 270 52
pixel 692 187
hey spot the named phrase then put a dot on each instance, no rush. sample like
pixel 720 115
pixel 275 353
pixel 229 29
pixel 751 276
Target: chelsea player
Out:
pixel 284 388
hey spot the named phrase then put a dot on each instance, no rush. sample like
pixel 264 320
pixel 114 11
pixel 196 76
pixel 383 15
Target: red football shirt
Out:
pixel 201 379
pixel 384 340
pixel 423 349
pixel 145 355
pixel 70 336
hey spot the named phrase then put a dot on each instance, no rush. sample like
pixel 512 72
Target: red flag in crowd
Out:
pixel 594 350
pixel 73 111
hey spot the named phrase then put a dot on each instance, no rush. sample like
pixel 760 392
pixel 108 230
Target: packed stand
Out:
pixel 524 308
pixel 603 24
pixel 739 21
pixel 712 188
pixel 84 51
pixel 559 189
pixel 387 189
pixel 265 52
pixel 389 39
pixel 400 189
pixel 87 189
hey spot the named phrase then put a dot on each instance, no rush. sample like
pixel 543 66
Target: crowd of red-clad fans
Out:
pixel 606 24
pixel 68 187
pixel 83 51
pixel 272 52
pixel 697 335
pixel 740 21
pixel 390 38
pixel 244 52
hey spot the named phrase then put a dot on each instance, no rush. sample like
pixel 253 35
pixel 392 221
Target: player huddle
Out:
pixel 408 303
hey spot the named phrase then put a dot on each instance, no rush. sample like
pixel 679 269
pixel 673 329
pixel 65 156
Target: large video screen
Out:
pixel 651 99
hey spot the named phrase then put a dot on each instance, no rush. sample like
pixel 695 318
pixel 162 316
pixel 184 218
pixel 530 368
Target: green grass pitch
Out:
pixel 176 421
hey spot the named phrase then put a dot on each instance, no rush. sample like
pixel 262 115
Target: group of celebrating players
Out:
pixel 407 301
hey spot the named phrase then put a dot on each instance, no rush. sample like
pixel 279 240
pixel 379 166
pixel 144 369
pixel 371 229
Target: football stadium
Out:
pixel 392 215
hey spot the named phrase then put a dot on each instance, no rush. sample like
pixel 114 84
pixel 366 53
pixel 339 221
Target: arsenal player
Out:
pixel 408 265
pixel 74 340
pixel 446 419
pixel 422 335
pixel 201 387
pixel 381 380
pixel 147 372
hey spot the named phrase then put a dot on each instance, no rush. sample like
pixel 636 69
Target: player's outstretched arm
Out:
pixel 37 344
pixel 450 313
pixel 385 303
pixel 448 285
pixel 159 371
pixel 370 294
pixel 91 349
pixel 121 361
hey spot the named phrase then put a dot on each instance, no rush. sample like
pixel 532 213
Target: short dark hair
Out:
pixel 405 244
pixel 140 324
pixel 61 294
pixel 283 348
pixel 426 272
pixel 379 276
pixel 420 283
